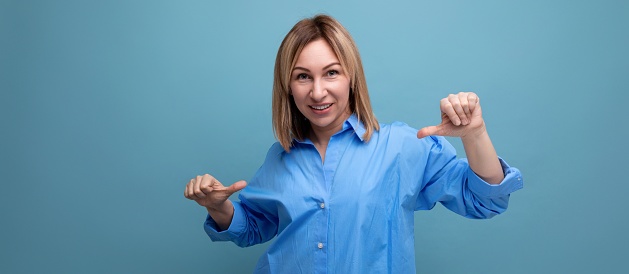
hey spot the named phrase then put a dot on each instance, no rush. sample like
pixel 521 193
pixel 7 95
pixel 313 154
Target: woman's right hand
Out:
pixel 210 193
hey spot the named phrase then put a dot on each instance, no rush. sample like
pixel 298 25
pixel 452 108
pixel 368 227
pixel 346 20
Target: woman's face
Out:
pixel 320 87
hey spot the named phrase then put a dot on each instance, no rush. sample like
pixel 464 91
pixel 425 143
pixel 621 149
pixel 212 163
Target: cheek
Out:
pixel 298 95
pixel 298 89
pixel 342 91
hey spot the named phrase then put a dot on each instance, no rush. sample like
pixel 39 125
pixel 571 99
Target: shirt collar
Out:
pixel 357 125
pixel 352 123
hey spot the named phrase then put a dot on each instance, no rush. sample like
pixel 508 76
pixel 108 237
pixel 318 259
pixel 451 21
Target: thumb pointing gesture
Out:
pixel 461 115
pixel 209 192
pixel 443 129
pixel 430 130
pixel 237 186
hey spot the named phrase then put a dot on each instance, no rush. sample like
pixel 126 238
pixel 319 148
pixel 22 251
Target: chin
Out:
pixel 322 122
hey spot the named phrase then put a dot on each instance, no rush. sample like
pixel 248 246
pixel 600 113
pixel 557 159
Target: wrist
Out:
pixel 222 215
pixel 225 208
pixel 475 134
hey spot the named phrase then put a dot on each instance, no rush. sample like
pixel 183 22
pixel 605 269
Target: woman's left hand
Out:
pixel 461 116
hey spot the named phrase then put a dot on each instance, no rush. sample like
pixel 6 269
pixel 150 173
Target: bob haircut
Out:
pixel 288 122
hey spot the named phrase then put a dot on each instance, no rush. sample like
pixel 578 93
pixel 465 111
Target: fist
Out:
pixel 209 192
pixel 461 115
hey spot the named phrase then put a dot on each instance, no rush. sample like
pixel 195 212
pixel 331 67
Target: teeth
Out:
pixel 321 107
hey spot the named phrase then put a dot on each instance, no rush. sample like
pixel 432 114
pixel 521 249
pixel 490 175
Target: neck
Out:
pixel 320 137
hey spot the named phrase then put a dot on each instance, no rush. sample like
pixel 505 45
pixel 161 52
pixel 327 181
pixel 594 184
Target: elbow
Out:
pixel 243 243
pixel 487 208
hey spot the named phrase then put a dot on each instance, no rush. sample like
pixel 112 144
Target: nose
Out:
pixel 318 91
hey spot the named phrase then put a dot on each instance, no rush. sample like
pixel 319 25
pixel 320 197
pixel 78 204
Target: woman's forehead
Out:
pixel 316 52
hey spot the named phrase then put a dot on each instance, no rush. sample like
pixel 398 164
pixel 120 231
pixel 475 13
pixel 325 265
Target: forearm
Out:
pixel 482 156
pixel 223 215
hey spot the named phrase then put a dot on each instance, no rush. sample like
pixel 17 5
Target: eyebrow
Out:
pixel 324 68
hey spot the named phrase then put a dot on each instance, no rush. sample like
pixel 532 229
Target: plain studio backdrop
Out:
pixel 108 108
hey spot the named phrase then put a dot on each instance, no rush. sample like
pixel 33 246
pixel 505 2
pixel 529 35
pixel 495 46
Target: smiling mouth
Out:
pixel 321 107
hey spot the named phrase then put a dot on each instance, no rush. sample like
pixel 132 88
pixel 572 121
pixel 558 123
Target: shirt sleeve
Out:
pixel 235 229
pixel 255 218
pixel 249 226
pixel 452 182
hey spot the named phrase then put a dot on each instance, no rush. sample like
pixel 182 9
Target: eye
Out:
pixel 333 73
pixel 302 76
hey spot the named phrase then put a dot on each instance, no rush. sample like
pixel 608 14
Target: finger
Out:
pixel 237 186
pixel 189 192
pixel 473 100
pixel 448 109
pixel 209 184
pixel 465 103
pixel 428 131
pixel 197 188
pixel 456 104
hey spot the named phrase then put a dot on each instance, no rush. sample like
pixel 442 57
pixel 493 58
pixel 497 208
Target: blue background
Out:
pixel 108 108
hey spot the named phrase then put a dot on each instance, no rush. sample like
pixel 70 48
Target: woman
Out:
pixel 339 190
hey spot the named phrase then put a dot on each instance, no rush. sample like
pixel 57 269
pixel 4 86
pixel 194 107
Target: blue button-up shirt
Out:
pixel 354 213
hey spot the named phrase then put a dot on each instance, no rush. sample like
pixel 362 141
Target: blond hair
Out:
pixel 288 122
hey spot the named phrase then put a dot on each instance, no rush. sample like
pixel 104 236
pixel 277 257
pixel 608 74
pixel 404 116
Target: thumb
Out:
pixel 237 186
pixel 427 131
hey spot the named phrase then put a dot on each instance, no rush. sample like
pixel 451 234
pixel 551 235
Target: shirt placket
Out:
pixel 332 158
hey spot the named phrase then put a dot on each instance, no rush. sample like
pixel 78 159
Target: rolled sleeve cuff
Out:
pixel 512 182
pixel 235 229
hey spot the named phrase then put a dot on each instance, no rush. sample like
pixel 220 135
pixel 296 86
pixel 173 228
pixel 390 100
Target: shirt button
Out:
pixel 322 205
pixel 320 245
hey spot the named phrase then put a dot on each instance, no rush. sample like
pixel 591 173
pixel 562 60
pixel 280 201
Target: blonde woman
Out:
pixel 338 190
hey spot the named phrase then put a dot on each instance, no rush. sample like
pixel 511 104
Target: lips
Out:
pixel 320 107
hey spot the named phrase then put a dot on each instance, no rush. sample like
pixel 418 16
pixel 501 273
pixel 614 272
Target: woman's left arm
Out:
pixel 461 116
